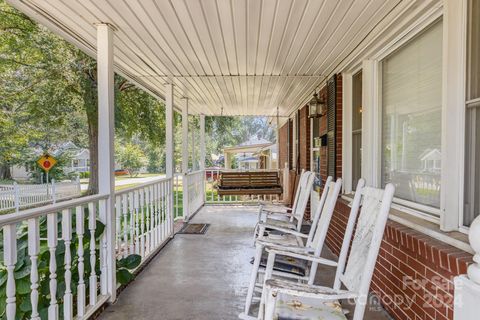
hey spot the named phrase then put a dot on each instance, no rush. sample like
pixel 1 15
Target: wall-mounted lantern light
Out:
pixel 316 107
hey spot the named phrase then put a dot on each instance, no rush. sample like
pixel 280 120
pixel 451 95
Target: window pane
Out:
pixel 356 129
pixel 411 118
pixel 472 165
pixel 473 55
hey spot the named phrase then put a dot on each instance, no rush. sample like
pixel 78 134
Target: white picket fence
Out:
pixel 17 196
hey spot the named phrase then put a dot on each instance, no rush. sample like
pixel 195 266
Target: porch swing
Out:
pixel 234 183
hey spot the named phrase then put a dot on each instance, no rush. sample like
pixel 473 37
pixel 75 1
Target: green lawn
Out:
pixel 141 175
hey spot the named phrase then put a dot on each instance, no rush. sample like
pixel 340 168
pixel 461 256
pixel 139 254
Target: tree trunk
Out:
pixel 90 102
pixel 5 173
pixel 93 148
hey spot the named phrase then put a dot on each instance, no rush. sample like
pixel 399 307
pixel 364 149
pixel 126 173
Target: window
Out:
pixel 472 121
pixel 356 128
pixel 411 118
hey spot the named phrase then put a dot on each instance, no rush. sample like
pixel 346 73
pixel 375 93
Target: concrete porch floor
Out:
pixel 198 277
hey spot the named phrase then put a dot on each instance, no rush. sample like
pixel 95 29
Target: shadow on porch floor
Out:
pixel 198 277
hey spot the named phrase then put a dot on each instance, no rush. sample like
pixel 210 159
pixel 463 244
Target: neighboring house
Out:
pixel 80 161
pixel 252 154
pixel 431 159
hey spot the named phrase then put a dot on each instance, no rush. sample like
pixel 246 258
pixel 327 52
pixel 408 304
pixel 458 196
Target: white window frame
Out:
pixel 454 13
pixel 347 118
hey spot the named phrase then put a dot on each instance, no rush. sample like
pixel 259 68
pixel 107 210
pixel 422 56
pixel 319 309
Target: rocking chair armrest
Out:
pixel 294 253
pixel 289 248
pixel 308 291
pixel 275 209
pixel 281 215
pixel 284 230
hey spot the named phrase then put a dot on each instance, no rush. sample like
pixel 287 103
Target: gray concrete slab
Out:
pixel 201 276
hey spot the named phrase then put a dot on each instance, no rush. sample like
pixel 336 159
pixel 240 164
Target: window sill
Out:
pixel 454 238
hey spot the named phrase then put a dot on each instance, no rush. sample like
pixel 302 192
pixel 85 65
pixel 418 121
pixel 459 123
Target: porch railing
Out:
pixel 56 258
pixel 143 216
pixel 193 187
pixel 45 249
pixel 19 196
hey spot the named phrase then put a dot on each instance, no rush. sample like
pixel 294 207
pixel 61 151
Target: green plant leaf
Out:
pixel 26 304
pixel 124 276
pixel 130 262
pixel 99 229
pixel 23 286
pixel 23 272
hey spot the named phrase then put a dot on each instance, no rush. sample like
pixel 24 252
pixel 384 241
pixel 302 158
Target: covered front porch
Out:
pixel 264 58
pixel 205 277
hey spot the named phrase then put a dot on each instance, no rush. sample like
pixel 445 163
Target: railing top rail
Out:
pixel 52 208
pixel 140 186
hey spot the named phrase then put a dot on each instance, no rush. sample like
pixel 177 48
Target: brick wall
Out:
pixel 414 273
pixel 304 139
pixel 283 143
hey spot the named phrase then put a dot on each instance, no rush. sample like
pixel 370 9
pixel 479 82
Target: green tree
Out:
pixel 131 157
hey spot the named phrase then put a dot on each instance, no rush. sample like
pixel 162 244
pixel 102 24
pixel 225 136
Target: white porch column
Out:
pixel 169 148
pixel 169 131
pixel 185 159
pixel 202 142
pixel 106 164
pixel 202 153
pixel 185 137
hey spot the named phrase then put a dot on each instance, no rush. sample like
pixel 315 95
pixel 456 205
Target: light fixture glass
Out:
pixel 316 107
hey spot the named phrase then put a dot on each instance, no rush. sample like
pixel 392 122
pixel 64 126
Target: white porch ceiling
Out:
pixel 236 57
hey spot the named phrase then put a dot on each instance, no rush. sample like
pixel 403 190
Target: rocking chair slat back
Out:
pixel 367 239
pixel 318 211
pixel 301 182
pixel 326 215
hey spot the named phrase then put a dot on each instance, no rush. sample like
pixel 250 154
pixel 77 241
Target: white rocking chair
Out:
pixel 292 238
pixel 288 300
pixel 282 216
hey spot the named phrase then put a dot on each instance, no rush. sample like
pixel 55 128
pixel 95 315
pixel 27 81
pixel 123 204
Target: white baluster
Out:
pixel 92 225
pixel 33 251
pixel 10 257
pixel 52 235
pixel 67 238
pixel 118 217
pixel 169 214
pixel 147 216
pixel 102 204
pixel 80 229
pixel 155 211
pixel 125 224
pixel 136 217
pixel 131 211
pixel 152 219
pixel 159 213
pixel 142 224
